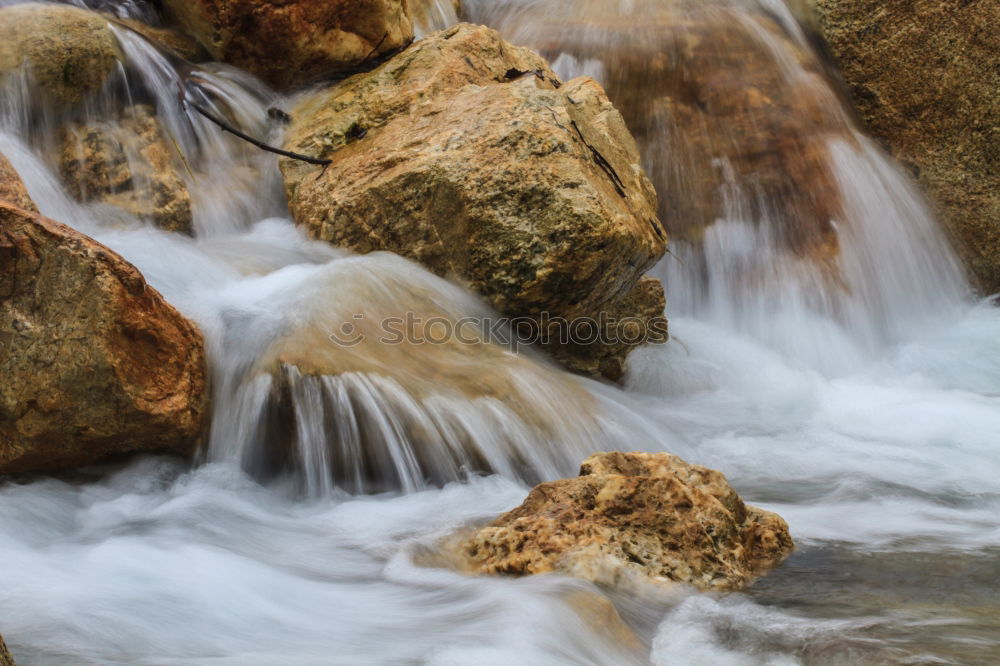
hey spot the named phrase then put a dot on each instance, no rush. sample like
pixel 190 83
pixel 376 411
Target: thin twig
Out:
pixel 249 139
pixel 377 47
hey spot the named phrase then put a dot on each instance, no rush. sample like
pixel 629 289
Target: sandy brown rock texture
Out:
pixel 925 75
pixel 95 363
pixel 294 41
pixel 128 163
pixel 634 514
pixel 468 155
pixel 12 189
pixel 68 52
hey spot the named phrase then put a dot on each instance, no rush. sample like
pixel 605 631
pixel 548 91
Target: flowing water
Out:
pixel 826 357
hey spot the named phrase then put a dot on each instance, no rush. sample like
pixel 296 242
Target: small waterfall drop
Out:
pixel 826 359
pixel 291 401
pixel 786 222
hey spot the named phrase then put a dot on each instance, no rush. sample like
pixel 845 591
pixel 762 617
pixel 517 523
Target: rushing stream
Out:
pixel 827 357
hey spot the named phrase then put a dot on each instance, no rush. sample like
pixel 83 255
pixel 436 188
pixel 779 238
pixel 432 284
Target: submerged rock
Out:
pixel 95 363
pixel 69 52
pixel 12 190
pixel 291 42
pixel 926 78
pixel 634 514
pixel 130 164
pixel 468 155
pixel 381 377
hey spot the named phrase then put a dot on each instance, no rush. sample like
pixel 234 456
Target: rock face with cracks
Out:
pixel 94 362
pixel 468 155
pixel 634 514
pixel 925 76
pixel 291 42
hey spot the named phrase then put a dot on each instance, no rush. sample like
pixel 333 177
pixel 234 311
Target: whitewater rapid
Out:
pixel 876 439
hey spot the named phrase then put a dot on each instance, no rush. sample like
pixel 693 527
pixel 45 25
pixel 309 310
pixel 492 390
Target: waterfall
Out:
pixel 827 357
pixel 787 223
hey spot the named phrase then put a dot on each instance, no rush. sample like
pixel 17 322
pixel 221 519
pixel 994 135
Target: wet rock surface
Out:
pixel 67 52
pixel 468 155
pixel 291 42
pixel 12 190
pixel 129 164
pixel 724 128
pixel 630 515
pixel 95 363
pixel 925 77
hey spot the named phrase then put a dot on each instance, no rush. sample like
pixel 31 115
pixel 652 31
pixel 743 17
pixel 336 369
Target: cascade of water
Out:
pixel 289 400
pixel 787 223
pixel 797 246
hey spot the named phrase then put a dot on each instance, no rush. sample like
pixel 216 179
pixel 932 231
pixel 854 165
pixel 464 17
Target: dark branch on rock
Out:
pixel 249 139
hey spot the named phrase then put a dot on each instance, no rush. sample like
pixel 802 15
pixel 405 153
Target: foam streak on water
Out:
pixel 865 409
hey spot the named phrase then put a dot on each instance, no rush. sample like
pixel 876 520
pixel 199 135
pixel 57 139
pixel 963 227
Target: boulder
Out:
pixel 69 52
pixel 12 190
pixel 629 515
pixel 95 363
pixel 720 116
pixel 925 77
pixel 468 155
pixel 294 41
pixel 128 163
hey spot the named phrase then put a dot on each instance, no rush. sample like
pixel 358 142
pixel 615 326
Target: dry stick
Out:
pixel 249 139
pixel 377 47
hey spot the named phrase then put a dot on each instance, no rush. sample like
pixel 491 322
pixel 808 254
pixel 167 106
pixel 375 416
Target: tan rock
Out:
pixel 634 515
pixel 130 164
pixel 68 51
pixel 468 155
pixel 703 87
pixel 294 41
pixel 95 363
pixel 926 78
pixel 12 189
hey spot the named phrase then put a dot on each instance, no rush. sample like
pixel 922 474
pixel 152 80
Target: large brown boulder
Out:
pixel 634 514
pixel 130 164
pixel 12 190
pixel 291 42
pixel 925 76
pixel 468 155
pixel 94 362
pixel 68 52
